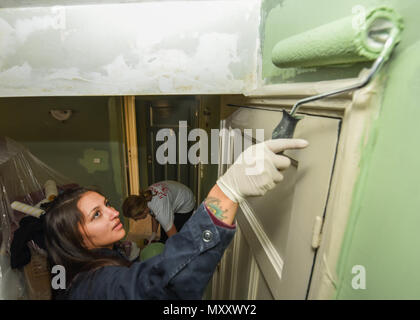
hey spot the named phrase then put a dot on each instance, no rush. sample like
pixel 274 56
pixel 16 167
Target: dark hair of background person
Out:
pixel 135 204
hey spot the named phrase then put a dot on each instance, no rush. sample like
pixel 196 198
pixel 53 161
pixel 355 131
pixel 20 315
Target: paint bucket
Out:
pixel 151 250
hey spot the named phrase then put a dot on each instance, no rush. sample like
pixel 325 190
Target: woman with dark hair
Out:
pixel 169 203
pixel 81 228
pixel 74 239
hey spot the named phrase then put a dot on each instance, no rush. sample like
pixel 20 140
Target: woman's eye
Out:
pixel 96 215
pixel 108 204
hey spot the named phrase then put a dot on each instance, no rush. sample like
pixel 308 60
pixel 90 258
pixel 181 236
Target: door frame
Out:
pixel 129 105
pixel 356 110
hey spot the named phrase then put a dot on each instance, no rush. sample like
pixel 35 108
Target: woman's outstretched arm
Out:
pixel 220 205
pixel 257 170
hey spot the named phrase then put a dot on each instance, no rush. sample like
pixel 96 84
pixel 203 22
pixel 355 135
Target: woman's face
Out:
pixel 101 227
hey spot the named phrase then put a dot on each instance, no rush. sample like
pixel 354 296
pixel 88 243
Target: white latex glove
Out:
pixel 256 170
pixel 151 238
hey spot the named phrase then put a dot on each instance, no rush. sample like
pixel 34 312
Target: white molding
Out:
pixel 303 89
pixel 222 276
pixel 254 276
pixel 222 147
pixel 235 261
pixel 215 283
pixel 264 252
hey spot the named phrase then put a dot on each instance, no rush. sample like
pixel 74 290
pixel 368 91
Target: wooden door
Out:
pixel 274 249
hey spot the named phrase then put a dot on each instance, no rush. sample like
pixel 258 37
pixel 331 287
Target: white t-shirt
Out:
pixel 170 197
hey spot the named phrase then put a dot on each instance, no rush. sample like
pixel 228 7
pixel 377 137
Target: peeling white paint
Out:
pixel 55 21
pixel 65 74
pixel 205 47
pixel 16 76
pixel 7 41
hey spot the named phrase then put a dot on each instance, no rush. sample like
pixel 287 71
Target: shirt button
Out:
pixel 207 236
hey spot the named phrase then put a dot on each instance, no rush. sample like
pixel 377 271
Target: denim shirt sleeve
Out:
pixel 182 271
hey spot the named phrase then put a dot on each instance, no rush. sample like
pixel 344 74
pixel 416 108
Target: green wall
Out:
pixel 382 232
pixel 70 147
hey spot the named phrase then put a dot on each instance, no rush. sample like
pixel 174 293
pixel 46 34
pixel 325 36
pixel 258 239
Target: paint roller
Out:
pixel 344 41
pixel 51 191
pixel 30 210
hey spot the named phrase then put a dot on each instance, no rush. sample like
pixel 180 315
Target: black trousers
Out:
pixel 179 221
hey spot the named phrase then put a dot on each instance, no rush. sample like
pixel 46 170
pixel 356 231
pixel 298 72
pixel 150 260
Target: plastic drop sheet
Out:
pixel 22 178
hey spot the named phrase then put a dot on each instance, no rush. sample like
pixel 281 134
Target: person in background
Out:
pixel 81 228
pixel 169 203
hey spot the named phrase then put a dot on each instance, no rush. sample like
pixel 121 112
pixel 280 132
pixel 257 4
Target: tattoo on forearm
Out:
pixel 213 204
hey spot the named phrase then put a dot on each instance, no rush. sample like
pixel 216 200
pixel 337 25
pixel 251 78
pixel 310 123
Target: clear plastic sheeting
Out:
pixel 22 178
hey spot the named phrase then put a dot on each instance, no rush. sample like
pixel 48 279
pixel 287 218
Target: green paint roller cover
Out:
pixel 339 42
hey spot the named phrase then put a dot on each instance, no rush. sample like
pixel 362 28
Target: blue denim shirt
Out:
pixel 182 271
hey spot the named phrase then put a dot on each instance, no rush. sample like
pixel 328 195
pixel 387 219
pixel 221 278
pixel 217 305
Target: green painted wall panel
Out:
pixel 382 233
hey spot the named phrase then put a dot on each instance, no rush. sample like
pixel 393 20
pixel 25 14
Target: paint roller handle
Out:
pixel 286 127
